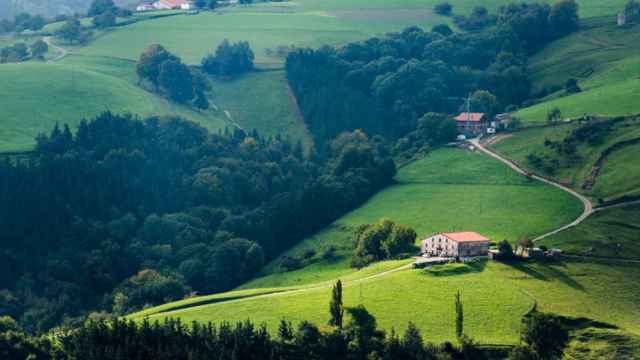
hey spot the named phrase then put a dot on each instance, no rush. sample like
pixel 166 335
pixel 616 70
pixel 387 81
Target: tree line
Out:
pixel 20 52
pixel 357 337
pixel 129 212
pixel 385 84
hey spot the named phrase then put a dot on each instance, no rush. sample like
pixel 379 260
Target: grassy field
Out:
pixel 604 58
pixel 495 296
pixel 83 86
pixel 617 175
pixel 34 96
pixel 609 233
pixel 475 193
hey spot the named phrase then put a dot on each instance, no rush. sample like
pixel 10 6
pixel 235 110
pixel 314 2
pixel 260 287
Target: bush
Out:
pixel 290 263
pixel 443 8
pixel 329 253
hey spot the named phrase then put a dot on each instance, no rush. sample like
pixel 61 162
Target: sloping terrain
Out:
pixel 605 60
pixel 613 179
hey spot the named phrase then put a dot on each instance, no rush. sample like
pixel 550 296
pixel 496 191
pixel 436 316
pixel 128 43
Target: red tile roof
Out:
pixel 467 236
pixel 465 116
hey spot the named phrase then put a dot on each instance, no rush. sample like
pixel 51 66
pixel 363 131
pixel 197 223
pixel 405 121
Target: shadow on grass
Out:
pixel 456 268
pixel 546 272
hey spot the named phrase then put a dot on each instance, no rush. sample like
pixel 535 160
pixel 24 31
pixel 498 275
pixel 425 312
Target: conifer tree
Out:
pixel 459 317
pixel 335 307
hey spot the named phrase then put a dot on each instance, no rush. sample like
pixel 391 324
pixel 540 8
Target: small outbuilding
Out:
pixel 462 244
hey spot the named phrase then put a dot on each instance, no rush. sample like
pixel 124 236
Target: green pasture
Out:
pixel 34 96
pixel 608 233
pixel 448 190
pixel 83 86
pixel 494 295
pixel 260 100
pixel 617 176
pixel 604 58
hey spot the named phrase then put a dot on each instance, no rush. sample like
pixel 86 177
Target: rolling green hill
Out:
pixel 616 178
pixel 476 193
pixel 608 233
pixel 34 96
pixel 603 58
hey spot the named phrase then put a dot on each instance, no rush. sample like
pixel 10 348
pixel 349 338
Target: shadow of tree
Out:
pixel 545 272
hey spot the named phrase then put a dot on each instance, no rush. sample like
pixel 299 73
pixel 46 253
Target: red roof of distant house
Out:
pixel 174 3
pixel 465 116
pixel 467 236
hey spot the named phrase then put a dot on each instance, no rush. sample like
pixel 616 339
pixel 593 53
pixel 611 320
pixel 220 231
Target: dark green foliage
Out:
pixel 479 18
pixel 335 306
pixel 72 31
pixel 201 212
pixel 22 21
pixel 212 4
pixel 16 53
pixel 168 74
pixel 632 11
pixel 443 8
pixel 385 85
pixel 100 7
pixel 229 59
pixel 505 249
pixel 563 17
pixel 38 49
pixel 442 29
pixel 459 317
pixel 545 334
pixel 382 240
pixel 104 20
pixel 572 87
pixel 176 81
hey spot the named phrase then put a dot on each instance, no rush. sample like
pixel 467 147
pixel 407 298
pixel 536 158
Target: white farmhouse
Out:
pixel 455 244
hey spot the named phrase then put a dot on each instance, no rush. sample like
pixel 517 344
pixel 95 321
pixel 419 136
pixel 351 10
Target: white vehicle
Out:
pixel 461 138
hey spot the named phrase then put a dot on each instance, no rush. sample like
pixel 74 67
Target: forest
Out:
pixel 127 212
pixel 385 84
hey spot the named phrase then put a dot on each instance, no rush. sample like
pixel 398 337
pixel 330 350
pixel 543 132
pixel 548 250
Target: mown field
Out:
pixel 616 178
pixel 603 58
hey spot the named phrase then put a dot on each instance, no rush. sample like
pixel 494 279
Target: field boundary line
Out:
pixel 323 285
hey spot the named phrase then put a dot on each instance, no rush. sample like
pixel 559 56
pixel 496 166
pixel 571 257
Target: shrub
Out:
pixel 443 8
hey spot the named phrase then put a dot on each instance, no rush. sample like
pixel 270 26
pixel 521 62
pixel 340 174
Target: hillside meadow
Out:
pixel 475 193
pixel 495 297
pixel 616 178
pixel 611 233
pixel 603 58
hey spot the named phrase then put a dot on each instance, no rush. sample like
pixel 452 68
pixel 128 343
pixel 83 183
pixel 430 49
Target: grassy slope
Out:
pixel 610 233
pixel 36 95
pixel 616 177
pixel 474 193
pixel 606 61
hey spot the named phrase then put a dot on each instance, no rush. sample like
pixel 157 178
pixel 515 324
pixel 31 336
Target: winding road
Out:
pixel 62 52
pixel 588 206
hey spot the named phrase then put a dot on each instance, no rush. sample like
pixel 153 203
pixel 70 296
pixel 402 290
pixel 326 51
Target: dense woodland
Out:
pixel 384 85
pixel 129 212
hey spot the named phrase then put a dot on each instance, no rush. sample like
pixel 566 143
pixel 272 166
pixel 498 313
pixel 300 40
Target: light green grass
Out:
pixel 610 233
pixel 604 58
pixel 620 173
pixel 616 177
pixel 83 86
pixel 34 96
pixel 448 190
pixel 261 100
pixel 495 297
